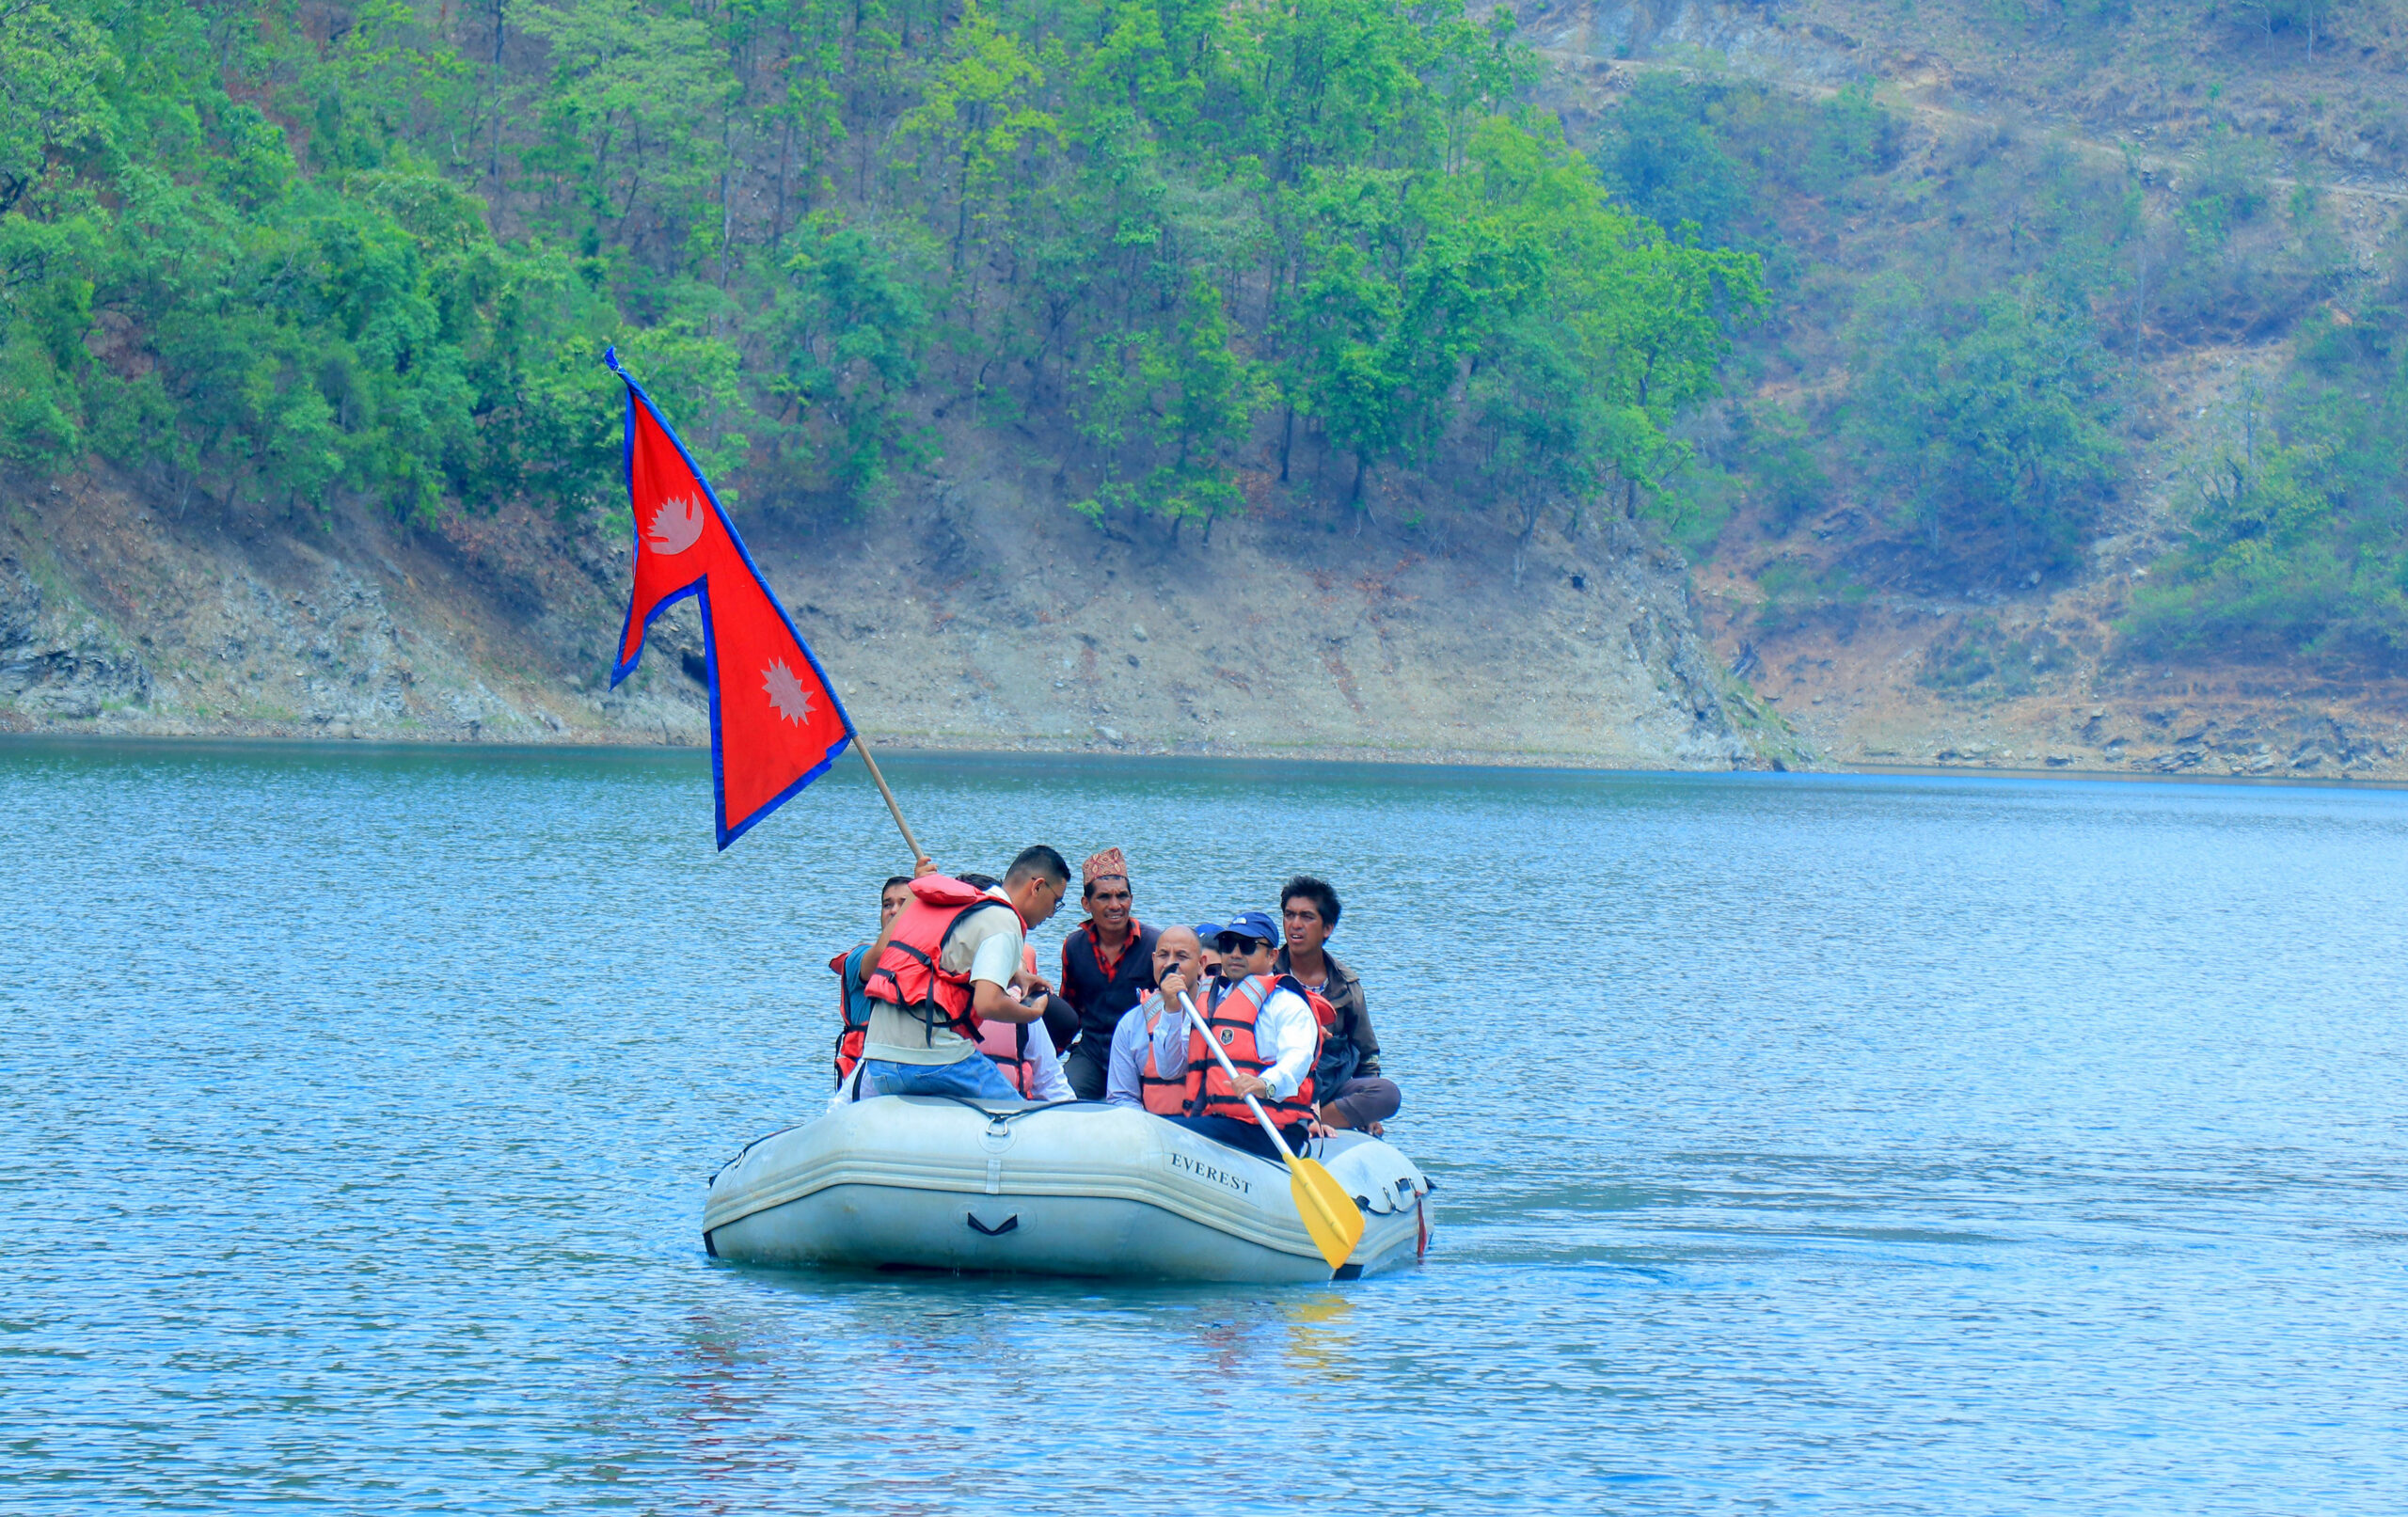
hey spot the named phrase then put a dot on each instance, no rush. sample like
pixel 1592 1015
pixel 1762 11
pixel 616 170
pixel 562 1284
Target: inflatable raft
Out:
pixel 1070 1187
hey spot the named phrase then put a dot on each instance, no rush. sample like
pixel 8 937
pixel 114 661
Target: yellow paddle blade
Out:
pixel 1330 1214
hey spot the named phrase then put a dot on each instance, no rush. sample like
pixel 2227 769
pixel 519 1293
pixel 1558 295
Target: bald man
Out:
pixel 1177 951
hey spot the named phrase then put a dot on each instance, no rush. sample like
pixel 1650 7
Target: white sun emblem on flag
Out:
pixel 786 693
pixel 676 526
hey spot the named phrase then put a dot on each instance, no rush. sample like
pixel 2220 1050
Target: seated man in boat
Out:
pixel 950 964
pixel 1133 1079
pixel 1265 1026
pixel 1346 1080
pixel 1024 1052
pixel 851 967
pixel 1108 966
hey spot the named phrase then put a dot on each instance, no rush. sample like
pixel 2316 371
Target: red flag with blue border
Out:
pixel 776 723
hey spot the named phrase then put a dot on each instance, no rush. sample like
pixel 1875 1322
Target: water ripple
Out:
pixel 1884 1147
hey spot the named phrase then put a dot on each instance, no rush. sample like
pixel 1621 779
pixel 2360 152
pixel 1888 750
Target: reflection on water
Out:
pixel 1320 1340
pixel 1908 1145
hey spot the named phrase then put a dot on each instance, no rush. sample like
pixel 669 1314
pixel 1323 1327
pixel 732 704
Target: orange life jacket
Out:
pixel 910 974
pixel 1162 1095
pixel 1230 1020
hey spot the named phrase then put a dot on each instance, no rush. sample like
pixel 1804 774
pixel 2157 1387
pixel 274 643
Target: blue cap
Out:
pixel 1256 925
pixel 1207 931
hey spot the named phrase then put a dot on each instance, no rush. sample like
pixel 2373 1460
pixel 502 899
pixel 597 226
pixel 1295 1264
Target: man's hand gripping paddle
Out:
pixel 1330 1214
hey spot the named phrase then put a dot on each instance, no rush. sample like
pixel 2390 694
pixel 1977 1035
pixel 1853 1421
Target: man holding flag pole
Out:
pixel 776 725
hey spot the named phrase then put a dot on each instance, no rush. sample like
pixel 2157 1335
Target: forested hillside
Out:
pixel 1976 376
pixel 2073 433
pixel 292 252
pixel 2028 362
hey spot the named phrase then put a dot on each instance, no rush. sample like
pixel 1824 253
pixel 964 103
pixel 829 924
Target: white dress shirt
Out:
pixel 1283 1034
pixel 1052 1083
pixel 1124 1079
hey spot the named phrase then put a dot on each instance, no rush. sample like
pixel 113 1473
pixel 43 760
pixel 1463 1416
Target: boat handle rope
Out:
pixel 994 1117
pixel 1006 1118
pixel 713 1177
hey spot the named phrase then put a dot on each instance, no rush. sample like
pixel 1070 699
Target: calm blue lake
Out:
pixel 1861 1145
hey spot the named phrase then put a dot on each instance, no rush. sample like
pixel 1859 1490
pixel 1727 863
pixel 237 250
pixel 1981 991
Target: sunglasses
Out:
pixel 1232 943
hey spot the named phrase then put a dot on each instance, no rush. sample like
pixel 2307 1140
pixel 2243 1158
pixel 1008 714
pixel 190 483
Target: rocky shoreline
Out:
pixel 971 619
pixel 951 629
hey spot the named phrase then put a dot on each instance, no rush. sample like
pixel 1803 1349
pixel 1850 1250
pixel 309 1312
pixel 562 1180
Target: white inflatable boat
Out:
pixel 1072 1188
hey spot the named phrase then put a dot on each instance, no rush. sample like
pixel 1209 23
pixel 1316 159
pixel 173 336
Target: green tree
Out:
pixel 852 322
pixel 1662 155
pixel 978 117
pixel 1616 330
pixel 2297 532
pixel 52 72
pixel 1989 423
pixel 630 118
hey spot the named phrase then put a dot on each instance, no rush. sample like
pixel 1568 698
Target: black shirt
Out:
pixel 1103 998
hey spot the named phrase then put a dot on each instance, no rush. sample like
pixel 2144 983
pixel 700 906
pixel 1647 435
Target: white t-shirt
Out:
pixel 986 946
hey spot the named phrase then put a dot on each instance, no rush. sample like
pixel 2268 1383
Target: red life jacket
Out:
pixel 849 1040
pixel 1232 1022
pixel 1324 1013
pixel 1162 1095
pixel 911 974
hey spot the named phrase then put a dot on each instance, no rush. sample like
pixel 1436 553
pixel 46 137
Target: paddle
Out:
pixel 1330 1214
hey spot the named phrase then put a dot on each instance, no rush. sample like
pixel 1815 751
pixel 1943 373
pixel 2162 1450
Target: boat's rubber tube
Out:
pixel 1079 1188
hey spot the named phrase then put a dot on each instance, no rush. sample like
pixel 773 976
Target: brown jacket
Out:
pixel 1344 993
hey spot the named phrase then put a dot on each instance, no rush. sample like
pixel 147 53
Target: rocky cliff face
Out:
pixel 972 615
pixel 60 667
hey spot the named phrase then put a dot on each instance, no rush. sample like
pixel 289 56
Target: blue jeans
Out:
pixel 973 1076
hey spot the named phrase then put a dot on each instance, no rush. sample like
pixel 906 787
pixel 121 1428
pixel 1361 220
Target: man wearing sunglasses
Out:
pixel 1265 1026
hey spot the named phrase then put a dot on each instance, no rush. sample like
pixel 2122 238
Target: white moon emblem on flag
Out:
pixel 786 693
pixel 676 526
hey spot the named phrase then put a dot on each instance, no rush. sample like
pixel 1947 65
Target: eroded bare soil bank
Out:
pixel 960 618
pixel 950 624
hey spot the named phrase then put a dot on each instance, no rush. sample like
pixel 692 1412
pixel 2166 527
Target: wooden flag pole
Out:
pixel 896 812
